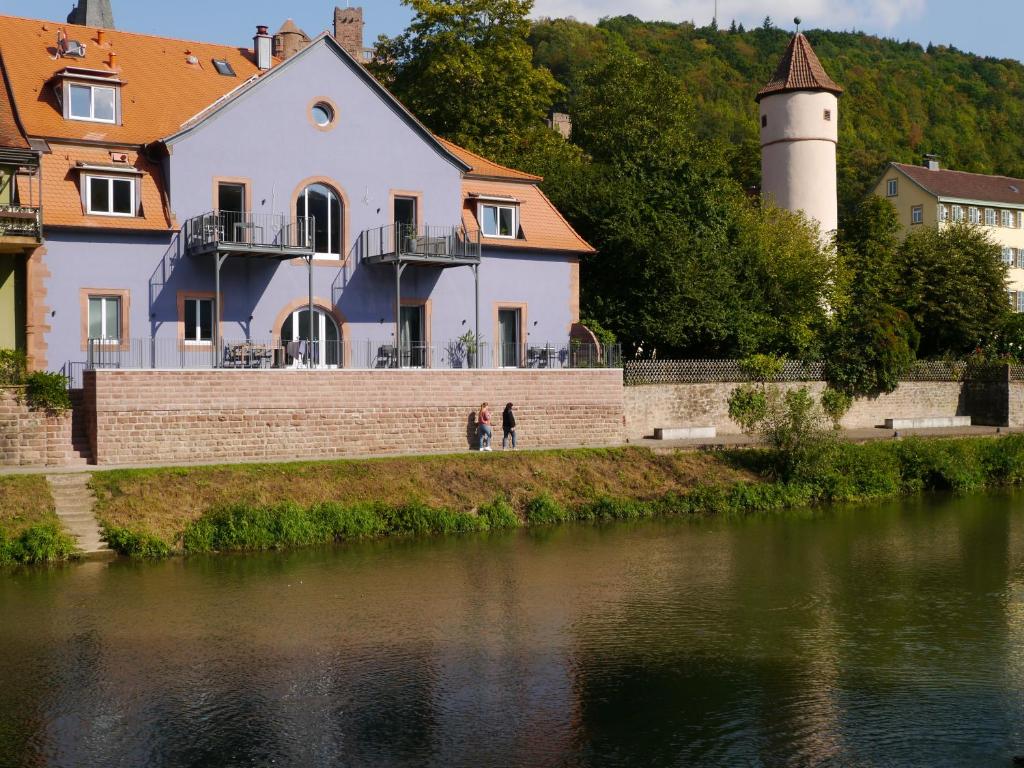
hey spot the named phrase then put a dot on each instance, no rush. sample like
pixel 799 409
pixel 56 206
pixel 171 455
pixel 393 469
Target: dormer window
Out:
pixel 110 196
pixel 499 220
pixel 92 102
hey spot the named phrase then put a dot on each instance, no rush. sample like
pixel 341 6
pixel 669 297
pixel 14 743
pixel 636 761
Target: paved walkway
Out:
pixel 720 442
pixel 75 503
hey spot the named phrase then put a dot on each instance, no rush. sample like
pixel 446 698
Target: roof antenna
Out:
pixel 797 22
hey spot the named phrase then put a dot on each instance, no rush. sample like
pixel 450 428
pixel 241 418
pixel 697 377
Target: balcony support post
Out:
pixel 399 269
pixel 218 349
pixel 476 312
pixel 309 341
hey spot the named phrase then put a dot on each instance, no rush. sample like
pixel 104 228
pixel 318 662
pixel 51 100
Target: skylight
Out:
pixel 224 68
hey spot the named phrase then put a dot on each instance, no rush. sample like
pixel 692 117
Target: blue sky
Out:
pixel 988 27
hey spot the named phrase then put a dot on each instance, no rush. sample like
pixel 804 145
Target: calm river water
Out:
pixel 882 636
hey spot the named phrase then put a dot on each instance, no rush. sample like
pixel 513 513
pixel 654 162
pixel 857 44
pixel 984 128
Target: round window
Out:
pixel 323 114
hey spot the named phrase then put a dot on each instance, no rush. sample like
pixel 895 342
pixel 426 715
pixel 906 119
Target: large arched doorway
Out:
pixel 325 351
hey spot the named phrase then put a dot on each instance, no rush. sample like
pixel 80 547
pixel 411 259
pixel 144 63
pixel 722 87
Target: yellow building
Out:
pixel 929 196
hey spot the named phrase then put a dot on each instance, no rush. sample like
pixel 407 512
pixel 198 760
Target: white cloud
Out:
pixel 870 15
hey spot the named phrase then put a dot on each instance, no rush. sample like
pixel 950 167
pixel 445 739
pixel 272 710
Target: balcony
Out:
pixel 21 228
pixel 426 245
pixel 253 234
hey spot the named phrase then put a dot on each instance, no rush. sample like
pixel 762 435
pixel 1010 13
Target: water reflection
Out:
pixel 887 635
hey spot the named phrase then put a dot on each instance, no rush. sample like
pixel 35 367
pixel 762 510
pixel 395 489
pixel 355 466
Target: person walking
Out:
pixel 508 427
pixel 483 420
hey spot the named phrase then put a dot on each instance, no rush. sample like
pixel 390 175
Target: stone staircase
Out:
pixel 74 502
pixel 81 451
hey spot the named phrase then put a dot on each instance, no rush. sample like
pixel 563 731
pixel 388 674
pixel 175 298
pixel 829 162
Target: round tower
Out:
pixel 799 112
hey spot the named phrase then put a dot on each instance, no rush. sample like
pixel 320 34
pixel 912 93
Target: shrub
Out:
pixel 48 392
pixel 762 368
pixel 544 510
pixel 42 543
pixel 135 544
pixel 748 406
pixel 835 403
pixel 499 514
pixel 13 366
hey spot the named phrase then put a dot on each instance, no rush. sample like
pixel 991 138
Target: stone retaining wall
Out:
pixel 31 438
pixel 684 405
pixel 183 416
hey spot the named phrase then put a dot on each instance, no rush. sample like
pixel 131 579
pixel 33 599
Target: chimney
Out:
pixel 261 46
pixel 348 30
pixel 931 162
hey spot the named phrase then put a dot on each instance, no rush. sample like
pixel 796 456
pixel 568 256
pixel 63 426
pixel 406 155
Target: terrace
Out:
pixel 21 221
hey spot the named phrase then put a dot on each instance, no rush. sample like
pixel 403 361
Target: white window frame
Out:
pixel 88 179
pixel 958 213
pixel 892 188
pixel 498 208
pixel 198 318
pixel 917 214
pixel 990 217
pixel 943 213
pixel 328 255
pixel 974 215
pixel 1007 255
pixel 1006 218
pixel 91 118
pixel 104 338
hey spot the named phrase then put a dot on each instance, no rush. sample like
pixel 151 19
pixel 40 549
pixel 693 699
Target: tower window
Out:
pixel 764 121
pixel 828 115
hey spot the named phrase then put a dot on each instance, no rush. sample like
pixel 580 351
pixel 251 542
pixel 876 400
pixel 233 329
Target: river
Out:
pixel 871 636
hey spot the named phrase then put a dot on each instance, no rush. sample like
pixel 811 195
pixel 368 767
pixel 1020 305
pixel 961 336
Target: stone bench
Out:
pixel 929 422
pixel 684 433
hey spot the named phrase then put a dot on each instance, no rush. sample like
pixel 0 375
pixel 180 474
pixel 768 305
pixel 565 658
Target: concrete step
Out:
pixel 684 433
pixel 74 503
pixel 929 422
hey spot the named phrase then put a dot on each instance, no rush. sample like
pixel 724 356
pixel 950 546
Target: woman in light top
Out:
pixel 483 420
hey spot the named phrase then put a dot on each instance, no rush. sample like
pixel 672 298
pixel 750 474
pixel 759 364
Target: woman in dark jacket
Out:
pixel 508 427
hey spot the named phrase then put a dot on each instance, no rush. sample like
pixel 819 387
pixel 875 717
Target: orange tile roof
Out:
pixel 543 227
pixel 968 186
pixel 799 70
pixel 10 136
pixel 63 204
pixel 483 167
pixel 161 89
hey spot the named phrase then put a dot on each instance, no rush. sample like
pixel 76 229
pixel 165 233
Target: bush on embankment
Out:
pixel 846 473
pixel 29 529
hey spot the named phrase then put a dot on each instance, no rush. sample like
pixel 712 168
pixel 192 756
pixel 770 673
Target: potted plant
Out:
pixel 468 341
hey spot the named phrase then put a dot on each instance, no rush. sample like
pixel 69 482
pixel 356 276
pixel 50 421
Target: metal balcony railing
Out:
pixel 252 232
pixel 406 242
pixel 20 221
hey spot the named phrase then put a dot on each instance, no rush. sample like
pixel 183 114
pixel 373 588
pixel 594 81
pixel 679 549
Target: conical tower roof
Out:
pixel 92 13
pixel 289 27
pixel 799 70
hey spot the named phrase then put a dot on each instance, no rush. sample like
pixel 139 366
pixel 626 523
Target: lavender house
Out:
pixel 205 205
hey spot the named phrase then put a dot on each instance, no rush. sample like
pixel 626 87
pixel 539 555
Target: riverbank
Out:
pixel 29 529
pixel 157 512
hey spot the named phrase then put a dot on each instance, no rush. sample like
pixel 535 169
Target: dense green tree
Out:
pixel 465 69
pixel 953 286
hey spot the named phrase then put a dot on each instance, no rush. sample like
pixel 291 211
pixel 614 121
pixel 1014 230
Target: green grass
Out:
pixel 636 484
pixel 29 529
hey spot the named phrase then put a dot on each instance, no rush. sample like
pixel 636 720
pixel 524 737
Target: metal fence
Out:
pixel 365 354
pixel 639 372
pixel 420 241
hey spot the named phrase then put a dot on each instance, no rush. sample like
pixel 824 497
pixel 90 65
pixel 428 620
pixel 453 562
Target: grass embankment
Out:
pixel 29 529
pixel 252 507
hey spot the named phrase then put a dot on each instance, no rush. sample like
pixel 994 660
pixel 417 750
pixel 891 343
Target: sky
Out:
pixel 986 27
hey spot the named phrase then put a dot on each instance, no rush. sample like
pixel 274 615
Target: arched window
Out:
pixel 325 206
pixel 325 350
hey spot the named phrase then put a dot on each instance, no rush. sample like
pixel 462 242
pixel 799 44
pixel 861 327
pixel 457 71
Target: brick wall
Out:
pixel 180 416
pixel 683 405
pixel 31 438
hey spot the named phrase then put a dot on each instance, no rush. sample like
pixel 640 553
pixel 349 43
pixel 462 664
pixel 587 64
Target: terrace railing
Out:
pixel 420 243
pixel 21 221
pixel 235 231
pixel 361 354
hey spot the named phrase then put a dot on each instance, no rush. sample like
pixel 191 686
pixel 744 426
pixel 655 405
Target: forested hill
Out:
pixel 901 100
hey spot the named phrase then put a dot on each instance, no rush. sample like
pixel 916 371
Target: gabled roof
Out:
pixel 799 70
pixel 213 109
pixel 542 226
pixel 481 167
pixel 160 91
pixel 965 186
pixel 10 135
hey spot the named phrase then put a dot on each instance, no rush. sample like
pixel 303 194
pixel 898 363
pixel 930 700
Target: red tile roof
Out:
pixel 799 70
pixel 161 89
pixel 967 186
pixel 484 168
pixel 10 135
